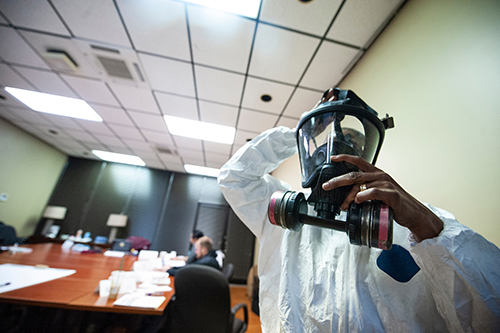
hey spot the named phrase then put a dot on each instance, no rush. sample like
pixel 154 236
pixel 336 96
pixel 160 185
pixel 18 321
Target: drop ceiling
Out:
pixel 139 60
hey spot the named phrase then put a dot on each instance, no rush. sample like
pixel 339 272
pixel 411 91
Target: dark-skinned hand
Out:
pixel 408 211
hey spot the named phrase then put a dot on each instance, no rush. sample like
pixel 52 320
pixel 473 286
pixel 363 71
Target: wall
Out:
pixel 436 69
pixel 29 171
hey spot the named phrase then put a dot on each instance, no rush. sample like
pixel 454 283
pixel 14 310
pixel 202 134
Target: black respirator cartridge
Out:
pixel 369 223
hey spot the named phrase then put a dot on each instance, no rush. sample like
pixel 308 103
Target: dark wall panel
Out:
pixel 178 220
pixel 73 192
pixel 147 202
pixel 240 248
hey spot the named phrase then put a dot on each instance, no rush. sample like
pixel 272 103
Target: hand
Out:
pixel 408 211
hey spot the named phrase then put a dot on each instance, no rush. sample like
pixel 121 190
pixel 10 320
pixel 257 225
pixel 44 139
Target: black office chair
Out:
pixel 202 303
pixel 228 271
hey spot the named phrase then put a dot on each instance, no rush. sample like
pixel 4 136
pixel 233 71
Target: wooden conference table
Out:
pixel 76 291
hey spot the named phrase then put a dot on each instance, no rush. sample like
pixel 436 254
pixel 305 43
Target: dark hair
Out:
pixel 197 234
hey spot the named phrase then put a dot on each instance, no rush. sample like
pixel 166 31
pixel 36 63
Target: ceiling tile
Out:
pixel 169 75
pixel 256 88
pixel 33 14
pixel 93 19
pixel 219 39
pixel 157 26
pixel 41 43
pixel 139 145
pixel 172 162
pixel 63 122
pixel 256 121
pixel 120 149
pixel 15 50
pixel 216 160
pixel 219 86
pixel 162 138
pixel 303 100
pixel 112 115
pixel 46 82
pixel 149 121
pixel 359 20
pixel 154 163
pixel 9 78
pixel 288 122
pixel 183 142
pixel 110 140
pixel 135 98
pixel 82 136
pixel 243 136
pixel 177 106
pixel 126 132
pixel 217 148
pixel 91 90
pixel 95 127
pixel 321 74
pixel 281 54
pixel 312 17
pixel 215 164
pixel 31 116
pixel 218 114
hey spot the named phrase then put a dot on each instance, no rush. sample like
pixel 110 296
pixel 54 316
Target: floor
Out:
pixel 239 295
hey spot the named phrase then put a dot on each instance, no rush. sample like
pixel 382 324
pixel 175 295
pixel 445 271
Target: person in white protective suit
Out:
pixel 314 280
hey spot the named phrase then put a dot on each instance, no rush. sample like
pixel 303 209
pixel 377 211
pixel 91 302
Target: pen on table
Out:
pixel 4 284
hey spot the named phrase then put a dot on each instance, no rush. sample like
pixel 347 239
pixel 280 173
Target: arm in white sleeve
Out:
pixel 245 181
pixel 464 270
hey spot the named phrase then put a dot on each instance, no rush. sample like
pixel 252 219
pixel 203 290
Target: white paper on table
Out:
pixel 20 276
pixel 140 300
pixel 175 263
pixel 111 253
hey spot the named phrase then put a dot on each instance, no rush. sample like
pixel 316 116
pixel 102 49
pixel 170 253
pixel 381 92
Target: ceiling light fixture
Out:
pixel 248 8
pixel 200 170
pixel 200 130
pixel 118 158
pixel 54 104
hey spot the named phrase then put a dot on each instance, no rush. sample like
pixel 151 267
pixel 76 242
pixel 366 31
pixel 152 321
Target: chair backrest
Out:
pixel 228 271
pixel 202 301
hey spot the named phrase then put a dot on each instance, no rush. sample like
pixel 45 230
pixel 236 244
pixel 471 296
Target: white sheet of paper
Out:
pixel 140 300
pixel 20 276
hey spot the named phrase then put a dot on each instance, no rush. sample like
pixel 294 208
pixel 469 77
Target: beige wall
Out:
pixel 436 69
pixel 29 171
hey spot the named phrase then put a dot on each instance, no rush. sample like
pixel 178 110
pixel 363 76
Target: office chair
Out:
pixel 228 271
pixel 202 303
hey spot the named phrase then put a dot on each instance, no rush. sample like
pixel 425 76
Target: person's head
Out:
pixel 203 246
pixel 197 234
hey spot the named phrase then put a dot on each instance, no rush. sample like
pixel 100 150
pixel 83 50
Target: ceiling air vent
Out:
pixel 115 67
pixel 166 150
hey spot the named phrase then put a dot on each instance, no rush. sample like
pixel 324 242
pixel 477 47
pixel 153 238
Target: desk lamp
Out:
pixel 53 213
pixel 115 221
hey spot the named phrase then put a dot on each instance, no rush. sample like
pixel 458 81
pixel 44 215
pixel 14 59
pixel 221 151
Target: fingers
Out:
pixel 355 160
pixel 328 96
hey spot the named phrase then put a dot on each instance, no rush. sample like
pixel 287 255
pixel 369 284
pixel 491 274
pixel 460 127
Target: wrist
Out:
pixel 429 227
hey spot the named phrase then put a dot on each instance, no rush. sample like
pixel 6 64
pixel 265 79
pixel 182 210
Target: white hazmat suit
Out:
pixel 314 280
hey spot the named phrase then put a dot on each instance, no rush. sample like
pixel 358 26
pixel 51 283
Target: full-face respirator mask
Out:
pixel 344 126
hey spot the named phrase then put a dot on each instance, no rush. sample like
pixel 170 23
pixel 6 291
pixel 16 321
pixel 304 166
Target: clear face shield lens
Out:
pixel 334 133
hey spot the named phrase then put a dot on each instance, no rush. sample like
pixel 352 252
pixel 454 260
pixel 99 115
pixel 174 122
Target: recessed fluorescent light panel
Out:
pixel 200 130
pixel 118 158
pixel 54 104
pixel 248 8
pixel 199 170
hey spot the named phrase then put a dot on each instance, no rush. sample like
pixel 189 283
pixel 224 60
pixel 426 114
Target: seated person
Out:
pixel 191 255
pixel 205 255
